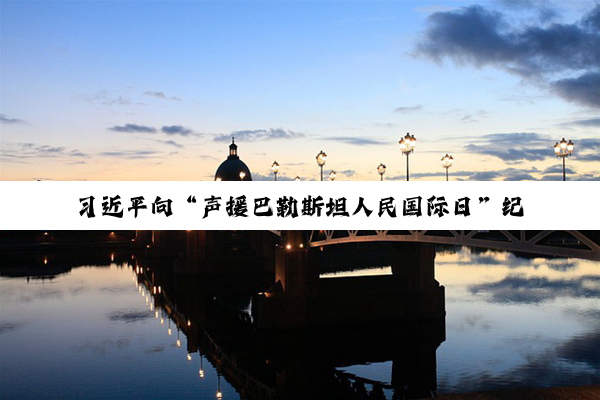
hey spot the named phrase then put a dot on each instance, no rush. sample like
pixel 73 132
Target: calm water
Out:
pixel 100 330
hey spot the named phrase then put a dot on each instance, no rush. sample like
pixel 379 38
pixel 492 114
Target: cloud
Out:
pixel 132 154
pixel 591 122
pixel 259 134
pixel 167 129
pixel 104 97
pixel 563 58
pixel 407 110
pixel 5 120
pixel 16 151
pixel 513 148
pixel 171 143
pixel 583 89
pixel 161 95
pixel 176 130
pixel 355 141
pixel 133 128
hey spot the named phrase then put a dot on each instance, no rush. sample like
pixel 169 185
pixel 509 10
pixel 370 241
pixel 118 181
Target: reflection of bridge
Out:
pixel 293 364
pixel 577 244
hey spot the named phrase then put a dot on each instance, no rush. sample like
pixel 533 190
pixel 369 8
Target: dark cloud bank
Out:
pixel 564 58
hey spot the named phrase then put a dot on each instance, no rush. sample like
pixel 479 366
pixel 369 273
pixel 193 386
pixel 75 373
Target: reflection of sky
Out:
pixel 90 334
pixel 513 321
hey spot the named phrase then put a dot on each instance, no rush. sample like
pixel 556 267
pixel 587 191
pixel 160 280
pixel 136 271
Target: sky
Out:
pixel 154 90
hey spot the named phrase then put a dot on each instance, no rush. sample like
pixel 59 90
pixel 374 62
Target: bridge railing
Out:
pixel 551 243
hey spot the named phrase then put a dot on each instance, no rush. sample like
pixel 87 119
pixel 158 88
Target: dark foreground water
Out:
pixel 102 331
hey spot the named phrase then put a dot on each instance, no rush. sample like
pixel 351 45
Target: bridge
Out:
pixel 578 244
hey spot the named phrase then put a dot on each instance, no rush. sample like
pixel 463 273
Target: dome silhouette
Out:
pixel 233 169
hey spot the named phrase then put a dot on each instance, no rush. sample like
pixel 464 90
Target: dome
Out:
pixel 233 169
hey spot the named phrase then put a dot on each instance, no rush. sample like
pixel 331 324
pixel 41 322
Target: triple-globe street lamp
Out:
pixel 564 149
pixel 447 163
pixel 407 145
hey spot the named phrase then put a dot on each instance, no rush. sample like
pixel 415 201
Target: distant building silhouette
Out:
pixel 233 169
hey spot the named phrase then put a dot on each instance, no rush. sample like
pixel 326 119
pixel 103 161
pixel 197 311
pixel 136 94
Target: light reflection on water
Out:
pixel 96 332
pixel 518 322
pixel 91 334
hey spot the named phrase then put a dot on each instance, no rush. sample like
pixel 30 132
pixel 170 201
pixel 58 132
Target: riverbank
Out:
pixel 559 393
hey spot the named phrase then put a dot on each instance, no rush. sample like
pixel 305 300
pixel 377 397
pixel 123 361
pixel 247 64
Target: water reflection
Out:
pixel 109 325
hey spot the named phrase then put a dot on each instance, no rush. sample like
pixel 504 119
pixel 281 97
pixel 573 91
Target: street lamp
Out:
pixel 297 178
pixel 381 170
pixel 275 168
pixel 447 163
pixel 564 149
pixel 321 158
pixel 407 145
pixel 332 175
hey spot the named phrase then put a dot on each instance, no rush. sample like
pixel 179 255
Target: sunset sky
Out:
pixel 153 90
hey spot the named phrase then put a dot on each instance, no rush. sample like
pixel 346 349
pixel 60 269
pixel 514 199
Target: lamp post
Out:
pixel 447 163
pixel 381 170
pixel 275 168
pixel 332 175
pixel 321 158
pixel 407 145
pixel 564 149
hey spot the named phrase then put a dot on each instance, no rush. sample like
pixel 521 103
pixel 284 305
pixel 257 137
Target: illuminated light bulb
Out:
pixel 189 357
pixel 201 373
pixel 162 321
pixel 219 394
pixel 170 332
pixel 189 323
pixel 45 260
pixel 288 246
pixel 301 245
pixel 178 343
pixel 156 314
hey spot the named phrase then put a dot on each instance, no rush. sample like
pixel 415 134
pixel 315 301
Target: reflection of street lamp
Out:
pixel 275 168
pixel 407 145
pixel 381 170
pixel 332 175
pixel 201 370
pixel 321 158
pixel 564 149
pixel 219 394
pixel 447 163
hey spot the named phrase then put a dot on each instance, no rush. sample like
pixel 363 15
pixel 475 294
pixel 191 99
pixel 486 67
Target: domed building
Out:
pixel 233 169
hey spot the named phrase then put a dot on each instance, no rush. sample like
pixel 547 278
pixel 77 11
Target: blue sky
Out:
pixel 153 90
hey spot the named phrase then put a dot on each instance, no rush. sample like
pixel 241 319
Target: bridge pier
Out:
pixel 301 299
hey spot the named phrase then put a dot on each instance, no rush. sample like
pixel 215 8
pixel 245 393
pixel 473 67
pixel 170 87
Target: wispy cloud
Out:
pixel 514 147
pixel 260 134
pixel 407 110
pixel 23 151
pixel 161 95
pixel 132 154
pixel 355 141
pixel 590 122
pixel 167 129
pixel 106 98
pixel 176 130
pixel 563 58
pixel 133 128
pixel 6 120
